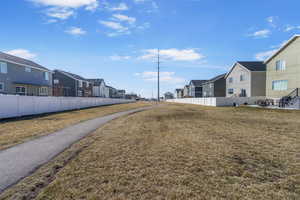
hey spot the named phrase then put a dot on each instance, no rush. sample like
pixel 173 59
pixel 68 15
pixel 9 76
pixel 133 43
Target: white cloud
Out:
pixel 75 31
pixel 168 77
pixel 23 53
pixel 130 20
pixel 264 55
pixel 119 58
pixel 59 13
pixel 119 7
pixel 271 21
pixel 289 28
pixel 173 54
pixel 88 4
pixel 261 33
pixel 113 25
pixel 63 9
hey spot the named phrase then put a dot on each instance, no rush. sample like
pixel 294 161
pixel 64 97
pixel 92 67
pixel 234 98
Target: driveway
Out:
pixel 23 159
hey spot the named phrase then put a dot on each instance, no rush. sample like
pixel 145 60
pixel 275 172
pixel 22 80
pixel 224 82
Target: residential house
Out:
pixel 121 94
pixel 215 87
pixel 99 88
pixel 70 85
pixel 186 91
pixel 283 70
pixel 196 88
pixel 179 93
pixel 24 77
pixel 169 95
pixel 113 92
pixel 246 79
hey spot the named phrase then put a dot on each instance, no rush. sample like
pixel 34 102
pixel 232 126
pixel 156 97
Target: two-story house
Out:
pixel 24 77
pixel 196 88
pixel 179 93
pixel 246 79
pixel 186 91
pixel 215 87
pixel 69 84
pixel 283 70
pixel 99 88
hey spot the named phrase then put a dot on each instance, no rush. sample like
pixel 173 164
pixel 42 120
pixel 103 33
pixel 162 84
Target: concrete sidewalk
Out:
pixel 21 160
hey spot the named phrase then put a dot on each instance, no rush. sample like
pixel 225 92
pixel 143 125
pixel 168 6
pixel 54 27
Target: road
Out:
pixel 23 159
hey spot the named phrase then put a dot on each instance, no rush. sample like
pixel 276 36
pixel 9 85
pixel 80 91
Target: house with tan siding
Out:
pixel 246 79
pixel 283 70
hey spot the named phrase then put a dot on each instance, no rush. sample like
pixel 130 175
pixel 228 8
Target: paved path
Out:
pixel 21 160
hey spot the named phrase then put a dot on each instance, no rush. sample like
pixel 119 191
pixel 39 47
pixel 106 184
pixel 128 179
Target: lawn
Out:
pixel 16 131
pixel 178 152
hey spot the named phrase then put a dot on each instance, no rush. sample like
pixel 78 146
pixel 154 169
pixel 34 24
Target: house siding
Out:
pixel 65 87
pixel 258 84
pixel 291 56
pixel 238 85
pixel 32 81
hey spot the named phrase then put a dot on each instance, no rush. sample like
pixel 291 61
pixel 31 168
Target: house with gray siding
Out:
pixel 24 77
pixel 196 88
pixel 179 93
pixel 70 85
pixel 186 91
pixel 215 87
pixel 99 88
pixel 246 79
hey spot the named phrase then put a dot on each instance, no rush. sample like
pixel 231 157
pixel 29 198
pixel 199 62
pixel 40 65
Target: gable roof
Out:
pixel 257 66
pixel 21 61
pixel 94 80
pixel 253 65
pixel 282 48
pixel 217 78
pixel 71 75
pixel 197 82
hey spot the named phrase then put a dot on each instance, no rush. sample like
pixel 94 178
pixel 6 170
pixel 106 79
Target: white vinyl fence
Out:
pixel 218 101
pixel 16 106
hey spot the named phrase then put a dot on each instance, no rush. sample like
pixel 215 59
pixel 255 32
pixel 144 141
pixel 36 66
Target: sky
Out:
pixel 118 39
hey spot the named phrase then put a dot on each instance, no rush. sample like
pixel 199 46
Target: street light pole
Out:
pixel 158 76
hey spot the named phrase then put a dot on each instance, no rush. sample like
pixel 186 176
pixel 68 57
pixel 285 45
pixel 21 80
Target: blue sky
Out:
pixel 116 39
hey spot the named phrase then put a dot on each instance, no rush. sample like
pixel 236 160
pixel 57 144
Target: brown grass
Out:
pixel 13 132
pixel 180 152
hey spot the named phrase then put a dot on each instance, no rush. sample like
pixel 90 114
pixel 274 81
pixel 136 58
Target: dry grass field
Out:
pixel 178 152
pixel 17 131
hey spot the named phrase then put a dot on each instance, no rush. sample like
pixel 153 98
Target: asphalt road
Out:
pixel 23 159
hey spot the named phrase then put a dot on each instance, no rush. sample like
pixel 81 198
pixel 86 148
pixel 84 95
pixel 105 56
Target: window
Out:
pixel 243 93
pixel 280 85
pixel 3 67
pixel 43 91
pixel 20 90
pixel 280 65
pixel 79 93
pixel 56 81
pixel 230 80
pixel 27 69
pixel 230 91
pixel 46 76
pixel 80 84
pixel 242 77
pixel 1 87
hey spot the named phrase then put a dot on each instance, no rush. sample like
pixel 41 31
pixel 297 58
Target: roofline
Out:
pixel 25 65
pixel 66 73
pixel 292 39
pixel 233 66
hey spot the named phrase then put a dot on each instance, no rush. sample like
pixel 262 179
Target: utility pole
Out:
pixel 158 76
